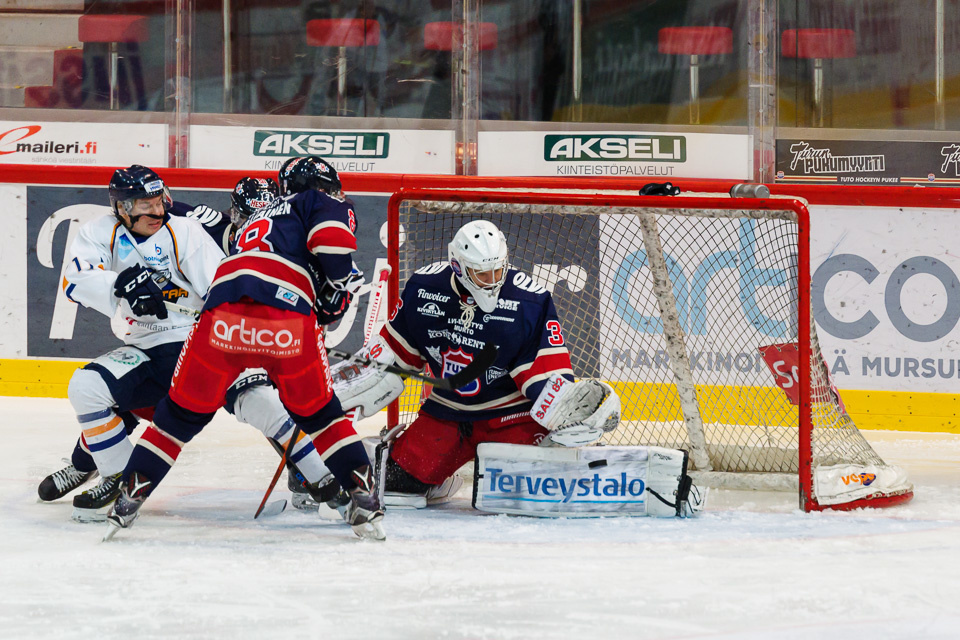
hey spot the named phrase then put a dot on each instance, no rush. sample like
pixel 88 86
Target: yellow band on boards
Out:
pixel 887 410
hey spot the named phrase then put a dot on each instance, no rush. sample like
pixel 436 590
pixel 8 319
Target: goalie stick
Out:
pixel 372 321
pixel 481 361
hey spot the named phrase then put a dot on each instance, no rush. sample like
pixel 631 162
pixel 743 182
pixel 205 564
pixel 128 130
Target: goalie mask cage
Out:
pixel 680 303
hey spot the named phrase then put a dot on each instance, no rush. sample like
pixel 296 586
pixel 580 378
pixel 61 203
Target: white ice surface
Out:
pixel 196 564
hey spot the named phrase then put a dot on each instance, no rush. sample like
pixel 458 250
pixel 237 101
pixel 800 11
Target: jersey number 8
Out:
pixel 253 237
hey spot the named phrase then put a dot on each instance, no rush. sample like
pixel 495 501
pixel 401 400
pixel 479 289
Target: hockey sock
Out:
pixel 304 454
pixel 106 440
pixel 81 458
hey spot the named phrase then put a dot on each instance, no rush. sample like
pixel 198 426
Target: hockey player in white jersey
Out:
pixel 447 312
pixel 129 262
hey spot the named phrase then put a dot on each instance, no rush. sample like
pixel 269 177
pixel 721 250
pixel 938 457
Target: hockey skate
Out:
pixel 364 513
pixel 126 509
pixel 94 504
pixel 58 484
pixel 309 497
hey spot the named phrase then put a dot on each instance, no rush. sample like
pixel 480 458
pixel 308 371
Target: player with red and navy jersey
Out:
pixel 291 270
pixel 448 312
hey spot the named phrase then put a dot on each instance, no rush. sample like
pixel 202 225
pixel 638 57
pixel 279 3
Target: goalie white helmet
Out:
pixel 478 256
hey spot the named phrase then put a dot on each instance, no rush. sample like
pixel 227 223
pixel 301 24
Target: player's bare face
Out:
pixel 485 279
pixel 146 217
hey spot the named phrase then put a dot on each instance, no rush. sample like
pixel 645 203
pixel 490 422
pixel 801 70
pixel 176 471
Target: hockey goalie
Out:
pixel 528 397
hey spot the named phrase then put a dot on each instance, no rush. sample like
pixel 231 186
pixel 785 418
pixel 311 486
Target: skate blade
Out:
pixel 84 516
pixel 275 508
pixel 111 531
pixel 326 512
pixel 370 531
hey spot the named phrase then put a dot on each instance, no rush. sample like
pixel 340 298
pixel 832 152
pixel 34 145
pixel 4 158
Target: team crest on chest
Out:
pixel 453 361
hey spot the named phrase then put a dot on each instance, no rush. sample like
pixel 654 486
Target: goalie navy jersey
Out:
pixel 431 327
pixel 216 224
pixel 283 254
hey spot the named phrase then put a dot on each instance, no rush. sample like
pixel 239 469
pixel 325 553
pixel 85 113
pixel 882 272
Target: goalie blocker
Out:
pixel 583 482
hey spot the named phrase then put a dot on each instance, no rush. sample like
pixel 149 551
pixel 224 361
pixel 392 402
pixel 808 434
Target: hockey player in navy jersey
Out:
pixel 291 271
pixel 448 312
pixel 134 258
pixel 253 399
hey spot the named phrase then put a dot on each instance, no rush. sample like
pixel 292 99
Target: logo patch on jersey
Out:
pixel 124 247
pixel 429 295
pixel 239 334
pixel 352 220
pixel 453 361
pixel 174 293
pixel 487 317
pixel 430 309
pixel 508 305
pixel 495 373
pixel 124 356
pixel 287 296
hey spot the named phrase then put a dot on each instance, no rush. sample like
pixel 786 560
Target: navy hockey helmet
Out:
pixel 136 182
pixel 251 195
pixel 311 172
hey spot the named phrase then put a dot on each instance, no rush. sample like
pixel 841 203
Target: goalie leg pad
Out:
pixel 580 482
pixel 366 388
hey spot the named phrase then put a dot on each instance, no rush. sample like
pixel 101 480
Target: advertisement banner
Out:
pixel 349 150
pixel 885 289
pixel 868 162
pixel 629 154
pixel 83 143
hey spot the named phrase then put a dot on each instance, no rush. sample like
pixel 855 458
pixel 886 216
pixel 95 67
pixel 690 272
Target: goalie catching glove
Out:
pixel 576 413
pixel 367 388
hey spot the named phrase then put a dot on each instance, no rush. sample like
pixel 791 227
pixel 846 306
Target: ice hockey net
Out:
pixel 693 308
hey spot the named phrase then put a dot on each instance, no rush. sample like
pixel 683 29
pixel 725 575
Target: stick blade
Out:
pixel 274 508
pixel 481 362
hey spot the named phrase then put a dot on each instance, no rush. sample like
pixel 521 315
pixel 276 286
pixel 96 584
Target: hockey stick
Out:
pixel 481 361
pixel 283 463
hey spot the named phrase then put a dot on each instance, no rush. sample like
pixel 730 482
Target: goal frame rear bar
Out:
pixel 797 205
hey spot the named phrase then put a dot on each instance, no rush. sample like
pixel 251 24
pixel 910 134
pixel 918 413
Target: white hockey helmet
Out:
pixel 478 256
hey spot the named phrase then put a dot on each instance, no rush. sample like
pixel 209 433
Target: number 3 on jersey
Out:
pixel 555 337
pixel 253 237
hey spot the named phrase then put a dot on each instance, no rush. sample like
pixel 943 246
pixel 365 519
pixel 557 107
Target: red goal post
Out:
pixel 641 322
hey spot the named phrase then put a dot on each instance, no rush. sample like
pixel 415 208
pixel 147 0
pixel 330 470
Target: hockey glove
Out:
pixel 332 304
pixel 659 189
pixel 334 298
pixel 135 285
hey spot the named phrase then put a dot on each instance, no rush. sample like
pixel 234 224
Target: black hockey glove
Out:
pixel 331 304
pixel 135 285
pixel 334 298
pixel 659 189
